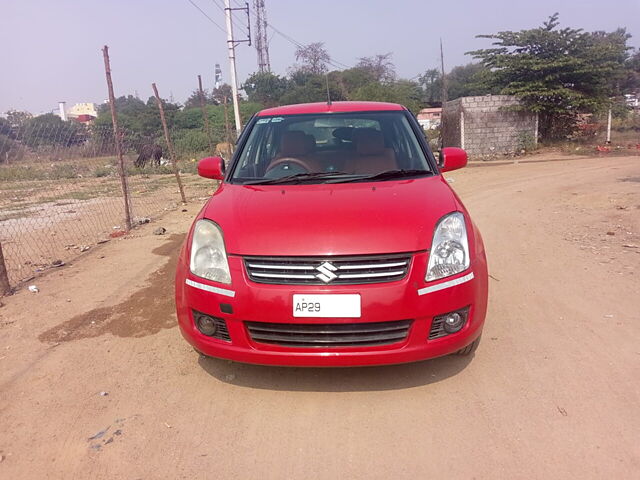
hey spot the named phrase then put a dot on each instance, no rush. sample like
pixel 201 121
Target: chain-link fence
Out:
pixel 61 192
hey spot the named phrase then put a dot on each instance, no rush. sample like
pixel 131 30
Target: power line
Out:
pixel 296 43
pixel 207 16
pixel 238 22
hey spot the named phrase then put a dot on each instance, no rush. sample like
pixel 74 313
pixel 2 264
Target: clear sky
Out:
pixel 50 49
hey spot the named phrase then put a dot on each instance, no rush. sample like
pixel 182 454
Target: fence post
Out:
pixel 169 144
pixel 205 116
pixel 5 288
pixel 117 138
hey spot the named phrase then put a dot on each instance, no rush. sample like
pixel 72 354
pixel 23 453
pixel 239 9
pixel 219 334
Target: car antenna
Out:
pixel 326 77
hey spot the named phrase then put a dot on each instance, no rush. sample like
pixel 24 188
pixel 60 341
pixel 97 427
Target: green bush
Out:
pixel 190 141
pixel 10 150
pixel 102 172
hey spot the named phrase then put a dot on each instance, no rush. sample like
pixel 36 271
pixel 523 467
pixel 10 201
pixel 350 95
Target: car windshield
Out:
pixel 330 148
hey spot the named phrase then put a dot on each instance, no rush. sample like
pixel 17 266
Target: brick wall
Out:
pixel 485 126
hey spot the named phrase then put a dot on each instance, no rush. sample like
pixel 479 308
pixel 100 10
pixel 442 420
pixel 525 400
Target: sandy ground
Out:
pixel 41 222
pixel 552 391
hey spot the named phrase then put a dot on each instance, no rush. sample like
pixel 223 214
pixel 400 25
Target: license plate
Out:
pixel 327 305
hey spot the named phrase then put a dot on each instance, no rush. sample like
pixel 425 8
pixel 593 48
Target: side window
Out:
pixel 405 145
pixel 258 151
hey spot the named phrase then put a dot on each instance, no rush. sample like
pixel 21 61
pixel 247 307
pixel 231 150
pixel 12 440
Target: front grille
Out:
pixel 329 335
pixel 328 270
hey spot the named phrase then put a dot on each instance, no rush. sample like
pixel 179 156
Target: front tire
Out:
pixel 469 349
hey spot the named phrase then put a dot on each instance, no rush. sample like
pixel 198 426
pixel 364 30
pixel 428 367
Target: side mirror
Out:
pixel 452 158
pixel 211 167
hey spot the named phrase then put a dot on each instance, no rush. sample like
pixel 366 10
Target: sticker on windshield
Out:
pixel 263 120
pixel 277 119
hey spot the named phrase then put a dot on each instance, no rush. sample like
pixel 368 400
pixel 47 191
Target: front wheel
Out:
pixel 469 349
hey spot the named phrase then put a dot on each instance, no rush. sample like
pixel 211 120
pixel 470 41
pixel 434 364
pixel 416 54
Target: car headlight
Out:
pixel 449 252
pixel 208 255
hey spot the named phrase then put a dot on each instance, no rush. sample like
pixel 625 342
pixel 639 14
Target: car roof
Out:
pixel 324 107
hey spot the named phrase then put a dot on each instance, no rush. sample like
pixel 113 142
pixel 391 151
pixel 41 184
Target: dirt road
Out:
pixel 552 392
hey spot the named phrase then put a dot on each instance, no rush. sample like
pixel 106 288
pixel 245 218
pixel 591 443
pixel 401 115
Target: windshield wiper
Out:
pixel 389 174
pixel 301 178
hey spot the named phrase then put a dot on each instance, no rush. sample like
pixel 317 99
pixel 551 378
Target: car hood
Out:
pixel 330 219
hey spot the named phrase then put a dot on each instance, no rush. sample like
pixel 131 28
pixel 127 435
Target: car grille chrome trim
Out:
pixel 333 335
pixel 290 267
pixel 345 270
pixel 281 275
pixel 367 275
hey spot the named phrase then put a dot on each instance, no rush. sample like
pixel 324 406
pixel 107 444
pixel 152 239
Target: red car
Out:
pixel 333 240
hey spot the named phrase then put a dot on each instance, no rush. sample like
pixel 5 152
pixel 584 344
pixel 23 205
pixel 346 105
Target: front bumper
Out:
pixel 410 298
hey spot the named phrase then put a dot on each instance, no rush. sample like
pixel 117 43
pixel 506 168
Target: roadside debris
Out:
pixel 141 220
pixel 630 245
pixel 117 234
pixel 98 435
pixel 33 289
pixel 102 240
pixel 104 394
pixel 160 231
pixel 57 263
pixel 562 411
pixel 611 233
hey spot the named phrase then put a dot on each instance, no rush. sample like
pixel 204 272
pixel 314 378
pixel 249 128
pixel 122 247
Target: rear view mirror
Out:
pixel 452 158
pixel 211 167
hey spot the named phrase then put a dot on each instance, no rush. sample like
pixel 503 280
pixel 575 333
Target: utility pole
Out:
pixel 444 77
pixel 262 42
pixel 231 45
pixel 205 117
pixel 444 102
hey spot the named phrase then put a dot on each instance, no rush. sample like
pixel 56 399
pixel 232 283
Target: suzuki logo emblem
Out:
pixel 326 272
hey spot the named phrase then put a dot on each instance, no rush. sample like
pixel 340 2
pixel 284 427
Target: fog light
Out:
pixel 453 322
pixel 206 324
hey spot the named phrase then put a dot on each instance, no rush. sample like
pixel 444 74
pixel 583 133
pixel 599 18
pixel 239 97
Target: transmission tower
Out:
pixel 262 43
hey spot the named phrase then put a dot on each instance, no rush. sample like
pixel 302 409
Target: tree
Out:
pixel 194 99
pixel 631 81
pixel 380 67
pixel 314 58
pixel 50 130
pixel 17 118
pixel 351 79
pixel 431 82
pixel 404 92
pixel 556 72
pixel 223 93
pixel 314 89
pixel 137 117
pixel 468 81
pixel 265 88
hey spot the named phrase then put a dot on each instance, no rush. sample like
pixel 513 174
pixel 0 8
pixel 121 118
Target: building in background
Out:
pixel 430 118
pixel 82 112
pixel 489 125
